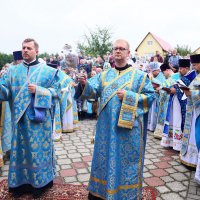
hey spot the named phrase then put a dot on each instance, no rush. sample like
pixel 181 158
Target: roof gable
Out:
pixel 164 45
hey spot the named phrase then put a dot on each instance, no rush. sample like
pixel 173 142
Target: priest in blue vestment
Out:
pixel 190 151
pixel 126 94
pixel 30 88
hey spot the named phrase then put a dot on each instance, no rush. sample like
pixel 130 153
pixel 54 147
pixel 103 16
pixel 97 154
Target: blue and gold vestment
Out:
pixel 32 154
pixel 117 164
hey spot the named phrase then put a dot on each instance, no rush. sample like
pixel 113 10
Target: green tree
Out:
pixel 183 50
pixel 44 55
pixel 97 42
pixel 5 58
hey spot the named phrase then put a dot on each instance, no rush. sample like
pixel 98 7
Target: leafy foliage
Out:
pixel 5 58
pixel 183 50
pixel 97 42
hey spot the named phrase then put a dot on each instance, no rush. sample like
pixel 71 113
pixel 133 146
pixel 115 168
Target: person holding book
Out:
pixel 171 78
pixel 175 119
pixel 191 134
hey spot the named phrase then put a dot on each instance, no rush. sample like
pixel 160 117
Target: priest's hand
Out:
pixel 32 88
pixel 173 91
pixel 120 93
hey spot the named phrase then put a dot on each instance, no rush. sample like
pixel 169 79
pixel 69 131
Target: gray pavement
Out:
pixel 162 170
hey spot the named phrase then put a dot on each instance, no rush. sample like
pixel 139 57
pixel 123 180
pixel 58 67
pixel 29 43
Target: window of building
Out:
pixel 149 42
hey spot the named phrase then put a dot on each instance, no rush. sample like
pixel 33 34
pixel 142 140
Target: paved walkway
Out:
pixel 162 170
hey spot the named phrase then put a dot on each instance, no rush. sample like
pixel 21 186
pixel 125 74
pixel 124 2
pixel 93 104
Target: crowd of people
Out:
pixel 41 99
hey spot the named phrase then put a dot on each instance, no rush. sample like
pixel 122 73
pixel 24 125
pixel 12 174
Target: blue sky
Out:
pixel 55 23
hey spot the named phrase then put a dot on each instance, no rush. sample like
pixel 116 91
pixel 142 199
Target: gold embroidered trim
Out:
pixel 121 187
pixel 142 85
pixel 128 108
pixel 112 96
pixel 2 112
pixel 145 103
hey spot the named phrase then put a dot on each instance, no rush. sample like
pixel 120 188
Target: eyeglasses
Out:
pixel 119 48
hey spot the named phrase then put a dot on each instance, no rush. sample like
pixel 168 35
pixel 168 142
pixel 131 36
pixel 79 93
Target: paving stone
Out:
pixel 82 171
pixel 183 194
pixel 172 196
pixel 158 172
pixel 81 147
pixel 162 165
pixel 162 189
pixel 145 169
pixel 78 165
pixel 62 156
pixel 155 160
pixel 83 150
pixel 149 156
pixel 4 174
pixel 89 169
pixel 187 174
pixel 192 190
pixel 5 168
pixel 70 148
pixel 154 181
pixel 86 154
pixel 179 177
pixel 151 167
pixel 147 162
pixel 167 179
pixel 193 183
pixel 63 152
pixel 173 163
pixel 154 151
pixel 144 184
pixel 57 145
pixel 65 167
pixel 87 158
pixel 74 155
pixel 63 161
pixel 58 180
pixel 147 174
pixel 191 196
pixel 74 160
pixel 68 172
pixel 73 151
pixel 166 158
pixel 59 149
pixel 70 179
pixel 57 168
pixel 186 183
pixel 171 170
pixel 176 186
pixel 181 168
pixel 83 177
pixel 159 154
